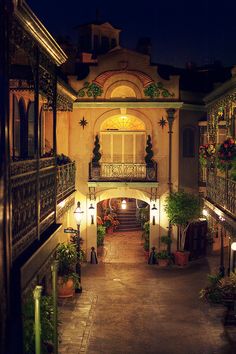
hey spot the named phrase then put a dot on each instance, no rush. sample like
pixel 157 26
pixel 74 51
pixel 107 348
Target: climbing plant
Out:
pixel 90 90
pixel 96 154
pixel 155 90
pixel 149 155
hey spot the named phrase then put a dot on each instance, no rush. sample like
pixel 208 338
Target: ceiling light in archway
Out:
pixel 123 204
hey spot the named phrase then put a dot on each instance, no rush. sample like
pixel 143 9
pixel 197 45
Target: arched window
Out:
pixel 188 142
pixel 23 129
pixel 31 129
pixel 16 128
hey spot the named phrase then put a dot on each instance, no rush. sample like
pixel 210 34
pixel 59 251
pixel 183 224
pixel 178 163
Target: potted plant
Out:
pixel 145 237
pixel 226 157
pixel 182 209
pixel 110 222
pixel 101 231
pixel 206 154
pixel 163 258
pixel 68 280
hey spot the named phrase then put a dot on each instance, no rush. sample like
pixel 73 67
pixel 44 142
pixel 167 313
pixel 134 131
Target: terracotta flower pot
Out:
pixel 163 262
pixel 110 230
pixel 65 289
pixel 146 254
pixel 181 258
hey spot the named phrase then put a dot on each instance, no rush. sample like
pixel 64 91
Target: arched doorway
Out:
pixel 123 230
pixel 124 192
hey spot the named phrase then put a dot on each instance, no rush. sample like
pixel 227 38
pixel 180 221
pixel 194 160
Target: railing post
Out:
pixel 37 319
pixel 54 269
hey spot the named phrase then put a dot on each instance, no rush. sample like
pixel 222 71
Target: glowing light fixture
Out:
pixel 205 212
pixel 78 213
pixel 233 246
pixel 154 209
pixel 123 204
pixel 91 209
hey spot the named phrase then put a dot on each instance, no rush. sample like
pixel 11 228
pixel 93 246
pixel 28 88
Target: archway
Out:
pixel 122 230
pixel 127 193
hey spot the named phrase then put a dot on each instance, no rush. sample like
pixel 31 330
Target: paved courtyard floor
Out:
pixel 135 308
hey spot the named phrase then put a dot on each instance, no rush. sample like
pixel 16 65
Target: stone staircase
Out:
pixel 127 217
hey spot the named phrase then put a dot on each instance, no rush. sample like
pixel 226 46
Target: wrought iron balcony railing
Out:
pixel 34 196
pixel 123 172
pixel 65 180
pixel 222 191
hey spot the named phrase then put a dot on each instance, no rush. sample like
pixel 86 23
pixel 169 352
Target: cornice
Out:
pixel 36 29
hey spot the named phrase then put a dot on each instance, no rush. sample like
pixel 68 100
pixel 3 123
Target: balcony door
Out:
pixel 123 147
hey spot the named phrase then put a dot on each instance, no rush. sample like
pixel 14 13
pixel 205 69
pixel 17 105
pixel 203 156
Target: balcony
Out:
pixel 65 181
pixel 222 192
pixel 34 197
pixel 127 172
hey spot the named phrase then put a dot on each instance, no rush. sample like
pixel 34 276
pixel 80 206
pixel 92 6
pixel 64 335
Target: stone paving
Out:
pixel 123 247
pixel 134 308
pixel 76 317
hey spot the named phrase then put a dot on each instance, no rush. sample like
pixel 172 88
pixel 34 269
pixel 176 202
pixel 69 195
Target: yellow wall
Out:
pixel 81 141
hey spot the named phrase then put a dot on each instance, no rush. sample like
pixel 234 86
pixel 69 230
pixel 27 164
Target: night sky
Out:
pixel 199 30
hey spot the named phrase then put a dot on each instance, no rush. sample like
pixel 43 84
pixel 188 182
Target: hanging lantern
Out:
pixel 123 204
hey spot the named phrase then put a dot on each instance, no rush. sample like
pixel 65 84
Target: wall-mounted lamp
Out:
pixel 232 257
pixel 78 213
pixel 205 212
pixel 91 209
pixel 233 246
pixel 123 204
pixel 154 209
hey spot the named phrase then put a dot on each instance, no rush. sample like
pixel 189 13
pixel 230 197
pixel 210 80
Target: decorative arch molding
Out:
pixel 113 112
pixel 143 117
pixel 141 76
pixel 128 83
pixel 123 192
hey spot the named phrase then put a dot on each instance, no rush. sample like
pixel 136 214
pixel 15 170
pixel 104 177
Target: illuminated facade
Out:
pixel 124 131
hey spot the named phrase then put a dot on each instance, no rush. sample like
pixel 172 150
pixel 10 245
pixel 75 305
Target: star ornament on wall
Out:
pixel 83 122
pixel 162 122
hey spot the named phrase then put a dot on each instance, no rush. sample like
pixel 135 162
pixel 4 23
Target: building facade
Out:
pixel 115 127
pixel 219 188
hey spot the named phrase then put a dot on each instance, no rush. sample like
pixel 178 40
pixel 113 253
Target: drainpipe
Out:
pixel 170 118
pixel 37 319
pixel 54 269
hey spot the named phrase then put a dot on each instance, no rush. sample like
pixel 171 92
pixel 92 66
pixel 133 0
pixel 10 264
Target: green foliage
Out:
pixel 226 154
pixel 101 231
pixel 163 255
pixel 91 90
pixel 149 155
pixel 182 208
pixel 146 227
pixel 166 240
pixel 143 215
pixel 206 153
pixel 156 90
pixel 219 289
pixel 46 315
pixel 63 160
pixel 146 244
pixel 96 152
pixel 145 235
pixel 67 256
